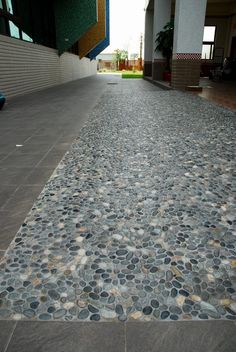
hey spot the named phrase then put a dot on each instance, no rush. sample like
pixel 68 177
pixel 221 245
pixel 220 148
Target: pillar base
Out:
pixel 185 70
pixel 158 69
pixel 147 69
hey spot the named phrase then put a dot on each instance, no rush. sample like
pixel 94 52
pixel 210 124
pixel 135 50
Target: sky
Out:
pixel 126 25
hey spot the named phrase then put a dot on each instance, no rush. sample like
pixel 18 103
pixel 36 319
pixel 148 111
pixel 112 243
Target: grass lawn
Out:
pixel 124 74
pixel 130 74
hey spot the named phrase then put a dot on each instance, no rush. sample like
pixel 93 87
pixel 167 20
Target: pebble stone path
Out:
pixel 138 220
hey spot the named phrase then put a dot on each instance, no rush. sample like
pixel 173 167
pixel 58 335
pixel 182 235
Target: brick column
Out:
pixel 185 70
pixel 162 13
pixel 158 69
pixel 188 36
pixel 148 45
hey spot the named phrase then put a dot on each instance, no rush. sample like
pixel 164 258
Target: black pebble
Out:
pixel 165 314
pixel 95 317
pixel 147 310
pixel 154 303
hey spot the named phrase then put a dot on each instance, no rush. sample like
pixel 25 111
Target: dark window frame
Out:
pixel 7 16
pixel 49 38
pixel 211 43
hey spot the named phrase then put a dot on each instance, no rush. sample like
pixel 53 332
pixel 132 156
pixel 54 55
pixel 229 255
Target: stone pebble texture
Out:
pixel 138 220
pixel 73 18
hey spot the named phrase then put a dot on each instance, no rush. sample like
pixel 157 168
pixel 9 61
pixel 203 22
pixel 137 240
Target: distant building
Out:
pixel 106 61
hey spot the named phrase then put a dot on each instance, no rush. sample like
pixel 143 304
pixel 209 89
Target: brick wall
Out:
pixel 147 69
pixel 158 68
pixel 185 73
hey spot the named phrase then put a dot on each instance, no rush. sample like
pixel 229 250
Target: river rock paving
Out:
pixel 138 220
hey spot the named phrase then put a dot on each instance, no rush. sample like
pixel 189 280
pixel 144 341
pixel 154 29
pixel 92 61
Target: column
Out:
pixel 162 14
pixel 188 37
pixel 148 45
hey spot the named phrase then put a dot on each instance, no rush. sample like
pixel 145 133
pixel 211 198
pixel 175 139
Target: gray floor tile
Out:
pixel 23 132
pixel 68 138
pixel 6 330
pixel 39 176
pixel 34 148
pixel 51 159
pixel 6 148
pixel 43 138
pixel 38 126
pixel 57 130
pixel 24 160
pixel 7 235
pixel 13 175
pixel 14 139
pixel 212 336
pixel 9 225
pixel 3 155
pixel 67 337
pixel 23 199
pixel 4 131
pixel 6 192
pixel 61 147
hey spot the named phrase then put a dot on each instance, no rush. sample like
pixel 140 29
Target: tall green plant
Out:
pixel 118 56
pixel 164 42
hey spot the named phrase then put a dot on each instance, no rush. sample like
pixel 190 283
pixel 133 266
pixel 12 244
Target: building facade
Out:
pixel 49 42
pixel 204 34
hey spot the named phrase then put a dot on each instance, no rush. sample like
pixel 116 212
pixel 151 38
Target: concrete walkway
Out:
pixel 131 243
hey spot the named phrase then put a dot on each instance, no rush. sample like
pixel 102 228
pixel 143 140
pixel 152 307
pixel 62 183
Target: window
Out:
pixel 32 21
pixel 209 34
pixel 207 51
pixel 9 6
pixel 26 37
pixel 208 42
pixel 14 30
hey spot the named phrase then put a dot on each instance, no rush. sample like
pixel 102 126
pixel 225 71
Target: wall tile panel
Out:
pixel 95 34
pixel 105 43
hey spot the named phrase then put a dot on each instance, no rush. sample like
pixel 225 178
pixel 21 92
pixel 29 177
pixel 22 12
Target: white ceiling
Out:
pixel 221 1
pixel 218 1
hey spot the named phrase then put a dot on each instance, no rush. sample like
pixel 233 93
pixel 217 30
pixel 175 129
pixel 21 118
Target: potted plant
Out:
pixel 164 44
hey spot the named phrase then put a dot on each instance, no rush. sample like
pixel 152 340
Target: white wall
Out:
pixel 71 67
pixel 189 26
pixel 27 67
pixel 162 13
pixel 148 45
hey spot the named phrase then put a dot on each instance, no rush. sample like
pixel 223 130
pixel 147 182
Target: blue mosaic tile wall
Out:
pixel 73 18
pixel 104 44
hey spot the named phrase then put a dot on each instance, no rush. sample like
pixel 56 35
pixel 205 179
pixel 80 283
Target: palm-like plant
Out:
pixel 164 42
pixel 119 55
